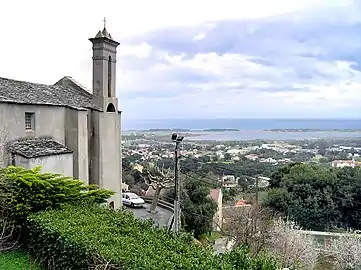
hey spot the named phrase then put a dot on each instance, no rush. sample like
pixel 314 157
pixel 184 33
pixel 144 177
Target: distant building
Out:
pixel 263 181
pixel 345 163
pixel 217 196
pixel 253 157
pixel 268 160
pixel 229 181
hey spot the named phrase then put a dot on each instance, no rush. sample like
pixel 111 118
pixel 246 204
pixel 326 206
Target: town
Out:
pixel 189 135
pixel 153 147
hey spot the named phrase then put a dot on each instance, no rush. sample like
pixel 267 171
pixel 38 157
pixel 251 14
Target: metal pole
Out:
pixel 177 189
pixel 256 190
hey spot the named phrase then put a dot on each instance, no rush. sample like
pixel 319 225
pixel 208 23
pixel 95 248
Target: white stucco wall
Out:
pixel 82 140
pixel 62 164
pixel 218 216
pixel 49 121
pixel 109 148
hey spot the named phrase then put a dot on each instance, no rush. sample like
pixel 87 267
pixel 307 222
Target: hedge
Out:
pixel 25 191
pixel 93 237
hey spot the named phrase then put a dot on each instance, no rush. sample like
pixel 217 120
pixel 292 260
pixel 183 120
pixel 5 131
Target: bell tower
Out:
pixel 104 71
pixel 105 137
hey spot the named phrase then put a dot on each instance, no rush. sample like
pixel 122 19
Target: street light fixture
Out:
pixel 176 138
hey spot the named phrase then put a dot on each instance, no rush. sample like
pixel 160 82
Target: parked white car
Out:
pixel 132 200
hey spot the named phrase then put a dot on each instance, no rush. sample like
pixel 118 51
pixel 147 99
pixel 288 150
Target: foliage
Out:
pixel 261 231
pixel 346 251
pixel 229 194
pixel 248 226
pixel 317 198
pixel 240 258
pixel 28 191
pixel 158 179
pixel 16 260
pixel 90 236
pixel 276 177
pixel 292 248
pixel 198 208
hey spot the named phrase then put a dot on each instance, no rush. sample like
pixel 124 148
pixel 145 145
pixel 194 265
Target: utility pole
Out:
pixel 177 220
pixel 257 190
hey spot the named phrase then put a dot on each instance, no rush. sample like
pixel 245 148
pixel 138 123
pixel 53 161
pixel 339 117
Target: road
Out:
pixel 160 218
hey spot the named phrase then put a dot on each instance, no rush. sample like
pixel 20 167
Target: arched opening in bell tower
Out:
pixel 109 76
pixel 110 107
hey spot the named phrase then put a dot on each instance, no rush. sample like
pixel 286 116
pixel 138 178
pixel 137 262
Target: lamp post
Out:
pixel 177 224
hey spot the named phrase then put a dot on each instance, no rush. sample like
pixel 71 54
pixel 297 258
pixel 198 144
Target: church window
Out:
pixel 110 76
pixel 29 121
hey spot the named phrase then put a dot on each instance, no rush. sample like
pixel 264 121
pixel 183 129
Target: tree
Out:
pixel 26 191
pixel 317 198
pixel 128 179
pixel 346 251
pixel 291 247
pixel 158 179
pixel 23 192
pixel 248 226
pixel 277 176
pixel 260 230
pixel 198 209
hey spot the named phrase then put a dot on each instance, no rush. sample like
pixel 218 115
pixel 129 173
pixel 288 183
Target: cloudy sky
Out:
pixel 196 58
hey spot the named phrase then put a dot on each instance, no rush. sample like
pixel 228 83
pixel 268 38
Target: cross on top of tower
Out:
pixel 105 22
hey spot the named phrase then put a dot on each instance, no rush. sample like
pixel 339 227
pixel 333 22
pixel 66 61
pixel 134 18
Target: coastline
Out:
pixel 242 130
pixel 247 135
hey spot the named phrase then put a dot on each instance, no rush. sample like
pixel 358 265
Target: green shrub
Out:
pixel 240 259
pixel 26 191
pixel 87 236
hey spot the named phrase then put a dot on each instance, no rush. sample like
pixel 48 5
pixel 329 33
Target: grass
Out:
pixel 17 260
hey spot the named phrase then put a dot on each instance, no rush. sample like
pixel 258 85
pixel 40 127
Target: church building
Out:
pixel 65 128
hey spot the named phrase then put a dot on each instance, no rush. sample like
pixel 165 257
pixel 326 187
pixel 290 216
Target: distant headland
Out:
pixel 310 130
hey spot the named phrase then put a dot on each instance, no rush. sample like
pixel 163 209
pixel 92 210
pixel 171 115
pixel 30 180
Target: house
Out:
pixel 345 163
pixel 253 157
pixel 268 160
pixel 229 181
pixel 65 127
pixel 217 196
pixel 263 181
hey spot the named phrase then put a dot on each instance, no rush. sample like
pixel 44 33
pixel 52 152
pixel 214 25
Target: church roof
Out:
pixel 37 147
pixel 104 34
pixel 21 92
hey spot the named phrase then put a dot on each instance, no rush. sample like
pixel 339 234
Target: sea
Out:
pixel 252 129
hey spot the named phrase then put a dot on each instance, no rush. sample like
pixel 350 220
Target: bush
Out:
pixel 26 191
pixel 91 236
pixel 239 258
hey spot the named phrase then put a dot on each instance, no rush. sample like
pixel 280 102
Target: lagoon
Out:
pixel 242 135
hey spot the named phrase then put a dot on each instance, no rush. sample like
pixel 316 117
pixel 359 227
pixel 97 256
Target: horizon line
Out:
pixel 224 118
